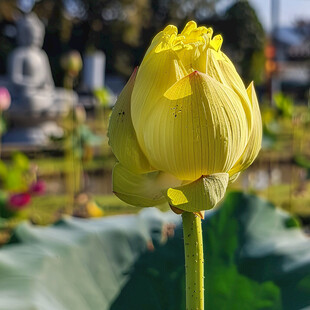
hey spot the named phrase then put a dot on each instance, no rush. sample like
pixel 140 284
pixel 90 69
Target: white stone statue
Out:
pixel 36 103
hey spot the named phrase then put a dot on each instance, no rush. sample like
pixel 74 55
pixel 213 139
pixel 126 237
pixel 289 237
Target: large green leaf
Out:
pixel 75 264
pixel 257 258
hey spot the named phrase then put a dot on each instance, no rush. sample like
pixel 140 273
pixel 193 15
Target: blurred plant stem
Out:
pixel 73 172
pixel 101 118
pixel 194 263
pixel 72 159
pixel 102 108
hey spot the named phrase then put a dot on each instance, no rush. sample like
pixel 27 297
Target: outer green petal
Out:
pixel 141 190
pixel 197 128
pixel 156 74
pixel 122 136
pixel 255 141
pixel 203 194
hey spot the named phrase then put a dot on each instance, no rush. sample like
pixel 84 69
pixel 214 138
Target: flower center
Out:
pixel 190 38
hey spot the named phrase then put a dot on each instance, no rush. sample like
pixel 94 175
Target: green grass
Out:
pixel 52 166
pixel 289 198
pixel 47 209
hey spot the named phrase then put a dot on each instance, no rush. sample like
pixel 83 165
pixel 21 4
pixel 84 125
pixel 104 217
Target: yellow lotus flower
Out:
pixel 184 124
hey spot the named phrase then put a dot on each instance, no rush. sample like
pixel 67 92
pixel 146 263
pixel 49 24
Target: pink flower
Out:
pixel 5 99
pixel 38 188
pixel 19 201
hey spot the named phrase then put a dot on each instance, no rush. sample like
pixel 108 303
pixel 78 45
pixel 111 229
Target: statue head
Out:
pixel 30 31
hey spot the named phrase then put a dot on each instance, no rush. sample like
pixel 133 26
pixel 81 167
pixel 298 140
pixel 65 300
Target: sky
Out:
pixel 289 11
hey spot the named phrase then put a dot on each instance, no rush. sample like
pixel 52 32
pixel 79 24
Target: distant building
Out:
pixel 293 58
pixel 94 79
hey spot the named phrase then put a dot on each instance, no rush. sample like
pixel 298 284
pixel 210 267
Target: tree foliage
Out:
pixel 244 39
pixel 123 29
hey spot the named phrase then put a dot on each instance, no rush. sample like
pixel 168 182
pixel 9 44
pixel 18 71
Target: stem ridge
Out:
pixel 194 261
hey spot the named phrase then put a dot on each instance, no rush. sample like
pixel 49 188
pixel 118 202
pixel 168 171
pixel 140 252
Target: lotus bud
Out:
pixel 184 125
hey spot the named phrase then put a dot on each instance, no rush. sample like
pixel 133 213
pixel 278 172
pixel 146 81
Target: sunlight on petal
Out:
pixel 122 136
pixel 203 194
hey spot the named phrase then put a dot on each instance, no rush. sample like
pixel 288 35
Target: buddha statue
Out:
pixel 36 103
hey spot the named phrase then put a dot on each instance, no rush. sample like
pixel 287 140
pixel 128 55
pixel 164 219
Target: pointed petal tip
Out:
pixel 191 23
pixel 250 87
pixel 216 42
pixel 190 26
pixel 133 74
pixel 194 74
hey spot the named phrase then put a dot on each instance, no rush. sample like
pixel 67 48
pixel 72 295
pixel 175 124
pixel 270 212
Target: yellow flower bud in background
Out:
pixel 72 63
pixel 184 123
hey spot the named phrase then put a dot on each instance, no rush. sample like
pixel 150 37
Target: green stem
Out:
pixel 193 261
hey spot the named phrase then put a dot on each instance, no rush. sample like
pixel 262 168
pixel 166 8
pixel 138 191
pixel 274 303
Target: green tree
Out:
pixel 244 39
pixel 123 29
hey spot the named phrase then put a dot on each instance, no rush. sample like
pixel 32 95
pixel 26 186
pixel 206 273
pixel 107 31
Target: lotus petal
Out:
pixel 255 141
pixel 198 128
pixel 141 190
pixel 202 194
pixel 122 136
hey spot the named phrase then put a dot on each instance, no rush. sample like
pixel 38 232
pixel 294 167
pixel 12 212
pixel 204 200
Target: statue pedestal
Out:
pixel 32 135
pixel 34 125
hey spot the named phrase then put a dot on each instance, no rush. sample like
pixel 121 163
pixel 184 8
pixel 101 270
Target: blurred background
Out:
pixel 62 65
pixel 55 156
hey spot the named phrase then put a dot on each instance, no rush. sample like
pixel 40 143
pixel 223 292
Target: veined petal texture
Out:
pixel 191 45
pixel 156 74
pixel 142 190
pixel 199 127
pixel 202 194
pixel 122 136
pixel 255 141
pixel 163 37
pixel 222 69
